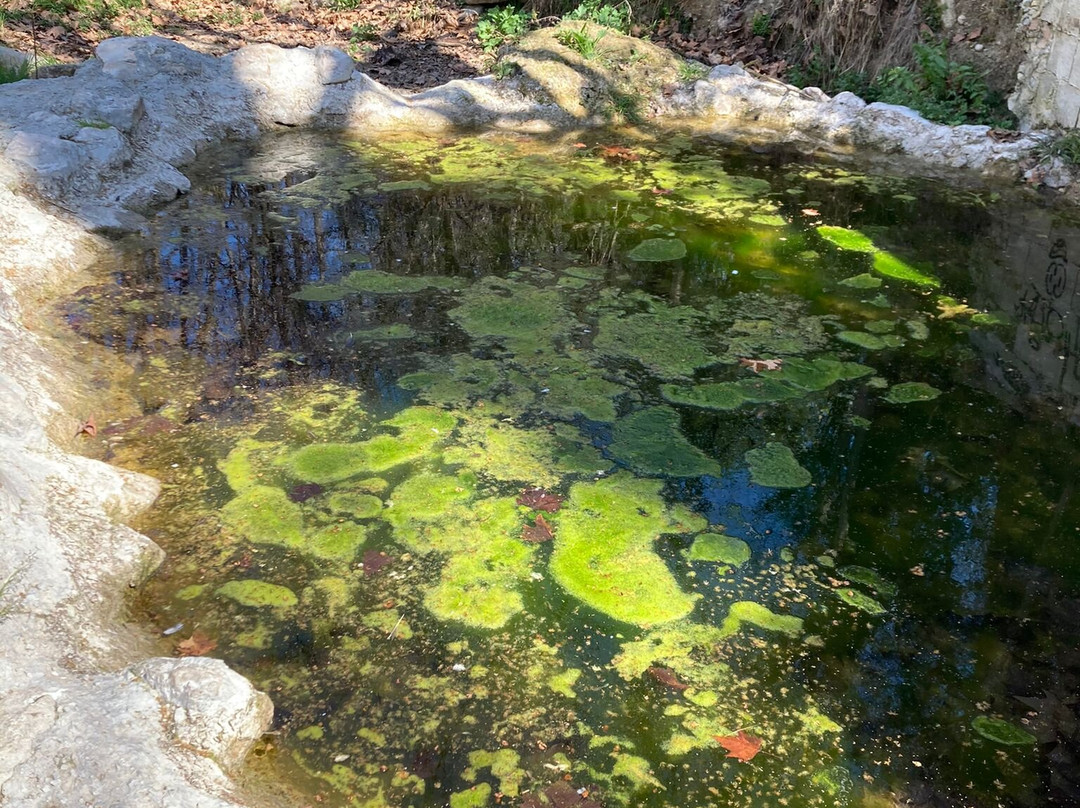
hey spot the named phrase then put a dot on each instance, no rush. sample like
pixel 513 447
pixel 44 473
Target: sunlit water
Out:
pixel 354 360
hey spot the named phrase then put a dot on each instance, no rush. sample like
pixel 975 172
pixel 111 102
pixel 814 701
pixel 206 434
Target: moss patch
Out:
pixel 372 281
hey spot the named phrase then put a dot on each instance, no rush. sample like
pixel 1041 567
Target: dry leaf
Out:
pixel 196 645
pixel 618 154
pixel 540 499
pixel 87 427
pixel 758 365
pixel 740 746
pixel 666 676
pixel 539 532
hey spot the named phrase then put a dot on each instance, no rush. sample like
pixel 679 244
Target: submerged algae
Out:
pixel 604 552
pixel 774 465
pixel 650 442
pixel 746 611
pixel 719 547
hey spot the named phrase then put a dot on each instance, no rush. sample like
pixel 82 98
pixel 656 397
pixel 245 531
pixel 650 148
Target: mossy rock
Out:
pixel 592 90
pixel 604 556
pixel 258 594
pixel 719 547
pixel 775 466
pixel 1001 732
pixel 754 614
pixel 911 393
pixel 650 442
pixel 658 249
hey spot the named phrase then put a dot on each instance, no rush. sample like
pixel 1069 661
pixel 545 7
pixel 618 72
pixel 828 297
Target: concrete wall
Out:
pixel 1048 83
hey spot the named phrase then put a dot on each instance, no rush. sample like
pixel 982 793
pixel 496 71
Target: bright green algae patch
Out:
pixel 604 553
pixel 749 613
pixel 890 266
pixel 258 594
pixel 847 239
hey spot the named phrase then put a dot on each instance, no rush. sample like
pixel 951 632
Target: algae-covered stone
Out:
pixel 650 442
pixel 847 239
pixel 1001 732
pixel 258 594
pixel 604 552
pixel 775 466
pixel 911 393
pixel 658 249
pixel 755 614
pixel 721 548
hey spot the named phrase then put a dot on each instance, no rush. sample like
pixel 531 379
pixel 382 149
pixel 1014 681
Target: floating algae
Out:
pixel 890 266
pixel 911 393
pixel 719 547
pixel 604 552
pixel 258 594
pixel 371 281
pixel 774 465
pixel 868 577
pixel 658 249
pixel 667 341
pixel 722 396
pixel 847 239
pixel 650 442
pixel 1001 732
pixel 754 614
pixel 860 601
pixel 522 318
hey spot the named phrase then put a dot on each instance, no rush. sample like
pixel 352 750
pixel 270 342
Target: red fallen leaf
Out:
pixel 617 153
pixel 666 676
pixel 87 427
pixel 196 645
pixel 740 746
pixel 540 499
pixel 758 365
pixel 374 561
pixel 540 532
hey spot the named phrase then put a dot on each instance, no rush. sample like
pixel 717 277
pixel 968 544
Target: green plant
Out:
pixel 941 90
pixel 363 33
pixel 626 107
pixel 94 123
pixel 616 16
pixel 9 74
pixel 1063 147
pixel 692 71
pixel 499 26
pixel 761 25
pixel 932 14
pixel 505 69
pixel 581 40
pixel 345 5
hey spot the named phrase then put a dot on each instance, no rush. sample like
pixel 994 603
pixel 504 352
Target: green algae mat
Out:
pixel 519 474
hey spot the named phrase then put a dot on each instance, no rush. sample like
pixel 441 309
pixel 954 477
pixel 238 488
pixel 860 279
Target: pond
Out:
pixel 627 472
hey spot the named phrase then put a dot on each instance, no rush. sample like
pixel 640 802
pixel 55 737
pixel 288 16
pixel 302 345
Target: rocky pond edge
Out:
pixel 87 714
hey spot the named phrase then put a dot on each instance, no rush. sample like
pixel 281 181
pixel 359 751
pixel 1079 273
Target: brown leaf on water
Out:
pixel 196 645
pixel 539 532
pixel 666 676
pixel 305 491
pixel 87 427
pixel 618 154
pixel 758 365
pixel 740 746
pixel 374 561
pixel 540 499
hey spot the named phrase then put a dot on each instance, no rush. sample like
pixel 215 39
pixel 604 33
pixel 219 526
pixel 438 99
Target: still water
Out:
pixel 623 472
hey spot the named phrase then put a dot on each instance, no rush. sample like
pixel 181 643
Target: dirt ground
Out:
pixel 407 44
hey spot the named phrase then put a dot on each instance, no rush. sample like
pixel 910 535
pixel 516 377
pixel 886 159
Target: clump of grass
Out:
pixel 1064 147
pixel 761 25
pixel 505 69
pixel 581 41
pixel 692 71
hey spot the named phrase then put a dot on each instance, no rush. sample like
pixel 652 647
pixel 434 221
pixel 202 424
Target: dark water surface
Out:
pixel 358 360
